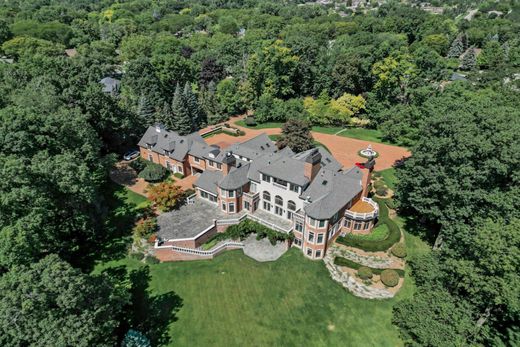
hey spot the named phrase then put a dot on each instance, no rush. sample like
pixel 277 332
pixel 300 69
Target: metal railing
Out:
pixel 268 224
pixel 366 215
pixel 210 252
pixel 280 185
pixel 231 221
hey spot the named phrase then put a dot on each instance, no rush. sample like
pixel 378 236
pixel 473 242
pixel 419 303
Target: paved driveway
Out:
pixel 344 149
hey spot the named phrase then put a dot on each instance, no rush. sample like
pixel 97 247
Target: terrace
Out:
pixel 363 209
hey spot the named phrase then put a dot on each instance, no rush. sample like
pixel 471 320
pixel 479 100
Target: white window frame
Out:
pixel 309 238
pixel 196 160
pixel 318 239
pixel 231 193
pixel 231 207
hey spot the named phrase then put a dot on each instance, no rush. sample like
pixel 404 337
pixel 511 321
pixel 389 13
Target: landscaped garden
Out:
pixel 236 301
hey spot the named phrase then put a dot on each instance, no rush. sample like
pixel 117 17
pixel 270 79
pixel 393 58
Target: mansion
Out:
pixel 309 193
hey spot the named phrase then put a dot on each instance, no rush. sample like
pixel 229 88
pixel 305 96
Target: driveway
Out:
pixel 344 149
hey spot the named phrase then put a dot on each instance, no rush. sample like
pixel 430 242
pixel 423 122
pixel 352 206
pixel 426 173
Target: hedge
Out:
pixel 353 265
pixel 394 234
pixel 389 277
pixel 247 227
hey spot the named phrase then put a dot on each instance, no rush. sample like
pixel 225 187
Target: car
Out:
pixel 131 155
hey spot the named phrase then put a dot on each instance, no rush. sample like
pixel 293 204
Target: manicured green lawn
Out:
pixel 378 233
pixel 327 130
pixel 389 177
pixel 131 197
pixel 236 301
pixel 363 134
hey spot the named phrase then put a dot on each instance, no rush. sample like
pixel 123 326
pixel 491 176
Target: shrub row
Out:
pixel 394 233
pixel 353 265
pixel 247 227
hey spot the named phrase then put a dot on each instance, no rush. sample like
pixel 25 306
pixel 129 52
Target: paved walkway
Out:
pixel 344 149
pixel 262 250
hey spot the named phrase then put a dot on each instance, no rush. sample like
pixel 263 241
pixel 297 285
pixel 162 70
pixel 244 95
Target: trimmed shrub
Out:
pixel 178 175
pixel 381 191
pixel 139 164
pixel 394 233
pixel 364 272
pixel 153 173
pixel 151 260
pixel 250 121
pixel 389 277
pixel 379 184
pixel 399 250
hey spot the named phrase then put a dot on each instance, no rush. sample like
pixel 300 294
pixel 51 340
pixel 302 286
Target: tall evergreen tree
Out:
pixel 145 110
pixel 181 122
pixel 196 113
pixel 166 116
pixel 456 48
pixel 469 60
pixel 209 103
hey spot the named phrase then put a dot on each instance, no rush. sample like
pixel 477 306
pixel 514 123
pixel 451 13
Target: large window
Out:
pixel 365 227
pixel 294 187
pixel 320 238
pixel 224 207
pixel 219 166
pixel 310 237
pixel 298 242
pixel 318 254
pixel 298 226
pixel 204 194
pixel 179 169
pixel 278 200
pixel 347 223
pixel 266 196
pixel 253 187
pixel 280 182
pixel 266 178
pixel 246 205
pixel 231 193
pixel 267 206
pixel 357 226
pixel 212 198
pixel 291 205
pixel 278 210
pixel 195 159
pixel 231 207
pixel 309 252
pixel 321 224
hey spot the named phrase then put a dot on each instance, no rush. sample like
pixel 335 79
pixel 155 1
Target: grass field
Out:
pixel 388 176
pixel 363 134
pixel 131 197
pixel 236 301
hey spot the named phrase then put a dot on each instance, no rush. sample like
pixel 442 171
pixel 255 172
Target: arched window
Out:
pixel 291 205
pixel 278 200
pixel 267 196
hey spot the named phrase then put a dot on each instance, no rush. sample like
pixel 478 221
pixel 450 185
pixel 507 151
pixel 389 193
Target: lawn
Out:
pixel 130 197
pixel 388 176
pixel 378 233
pixel 371 135
pixel 236 301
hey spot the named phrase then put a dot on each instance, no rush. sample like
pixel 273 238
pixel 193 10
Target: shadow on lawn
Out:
pixel 150 315
pixel 114 232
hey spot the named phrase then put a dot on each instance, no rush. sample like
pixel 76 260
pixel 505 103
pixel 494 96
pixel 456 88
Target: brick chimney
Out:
pixel 312 164
pixel 228 162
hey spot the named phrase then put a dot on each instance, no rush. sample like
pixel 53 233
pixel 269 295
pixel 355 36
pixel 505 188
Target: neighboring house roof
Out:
pixel 208 181
pixel 110 84
pixel 327 160
pixel 170 143
pixel 330 191
pixel 235 179
pixel 458 77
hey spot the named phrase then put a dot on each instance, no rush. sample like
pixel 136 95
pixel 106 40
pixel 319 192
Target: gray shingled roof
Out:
pixel 253 148
pixel 235 179
pixel 327 160
pixel 110 84
pixel 171 142
pixel 208 181
pixel 330 191
pixel 287 169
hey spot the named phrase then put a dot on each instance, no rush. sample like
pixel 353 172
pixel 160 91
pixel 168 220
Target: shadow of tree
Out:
pixel 148 314
pixel 113 235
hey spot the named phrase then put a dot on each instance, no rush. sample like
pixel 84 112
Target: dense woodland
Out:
pixel 192 63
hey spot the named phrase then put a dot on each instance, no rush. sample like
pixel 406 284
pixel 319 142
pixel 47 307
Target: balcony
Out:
pixel 281 186
pixel 363 209
pixel 251 195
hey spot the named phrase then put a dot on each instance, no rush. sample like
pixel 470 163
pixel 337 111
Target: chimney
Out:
pixel 228 161
pixel 312 164
pixel 159 127
pixel 367 176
